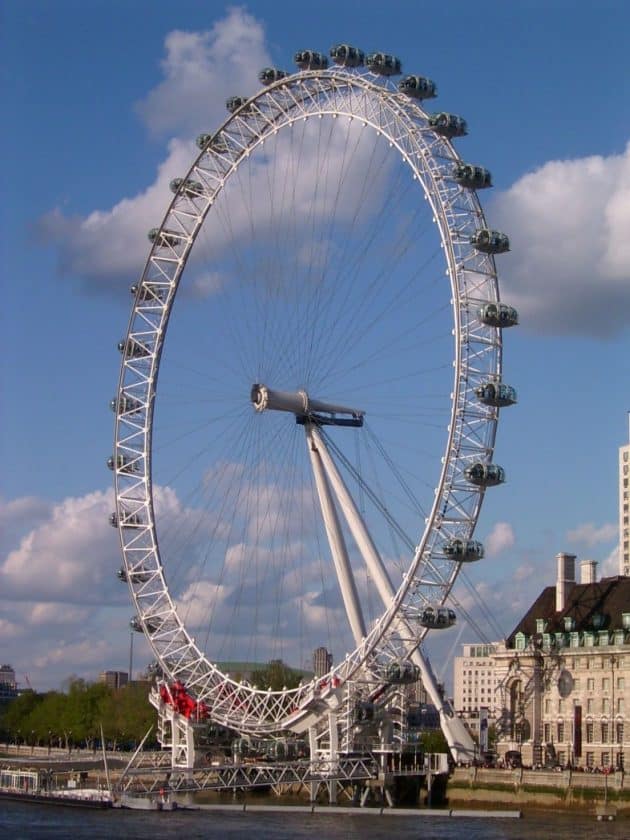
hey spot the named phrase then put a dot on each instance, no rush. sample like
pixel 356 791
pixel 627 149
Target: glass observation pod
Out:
pixel 212 141
pixel 129 520
pixel 310 60
pixel 384 64
pixel 164 238
pixel 448 125
pixel 437 618
pixel 417 87
pixel 133 348
pixel 497 395
pixel 148 291
pixel 364 712
pixel 485 475
pixel 187 186
pixel 124 405
pixel 402 673
pixel 138 576
pixel 269 75
pixel 490 241
pixel 136 624
pixel 463 551
pixel 121 463
pixel 235 102
pixel 498 315
pixel 347 56
pixel 472 177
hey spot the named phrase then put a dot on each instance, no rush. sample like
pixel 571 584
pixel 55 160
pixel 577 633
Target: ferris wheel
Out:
pixel 302 449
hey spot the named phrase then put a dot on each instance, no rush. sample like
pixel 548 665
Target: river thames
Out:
pixel 21 820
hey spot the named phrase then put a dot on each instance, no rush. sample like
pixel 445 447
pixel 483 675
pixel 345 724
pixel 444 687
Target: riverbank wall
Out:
pixel 571 790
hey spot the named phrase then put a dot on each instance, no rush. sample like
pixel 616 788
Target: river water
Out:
pixel 21 820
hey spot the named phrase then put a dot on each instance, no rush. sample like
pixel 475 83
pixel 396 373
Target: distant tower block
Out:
pixel 322 661
pixel 624 507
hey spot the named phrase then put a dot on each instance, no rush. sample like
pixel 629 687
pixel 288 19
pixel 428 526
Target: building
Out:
pixel 114 679
pixel 475 681
pixel 8 685
pixel 624 510
pixel 322 661
pixel 563 690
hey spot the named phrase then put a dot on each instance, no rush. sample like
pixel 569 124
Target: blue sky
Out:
pixel 94 111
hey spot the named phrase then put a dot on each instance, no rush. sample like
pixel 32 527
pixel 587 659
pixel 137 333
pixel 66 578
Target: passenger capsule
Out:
pixel 485 475
pixel 113 519
pixel 136 625
pixel 496 394
pixel 364 712
pixel 402 673
pixel 490 241
pixel 121 574
pixel 448 125
pixel 125 405
pixel 498 315
pixel 165 238
pixel 122 463
pixel 437 618
pixel 148 291
pixel 384 64
pixel 347 56
pixel 187 186
pixel 133 348
pixel 417 87
pixel 463 551
pixel 234 103
pixel 269 75
pixel 214 142
pixel 472 177
pixel 138 575
pixel 310 60
pixel 128 520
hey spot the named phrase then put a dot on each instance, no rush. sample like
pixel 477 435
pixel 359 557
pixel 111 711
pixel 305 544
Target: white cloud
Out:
pixel 568 222
pixel 589 535
pixel 499 539
pixel 201 70
pixel 610 565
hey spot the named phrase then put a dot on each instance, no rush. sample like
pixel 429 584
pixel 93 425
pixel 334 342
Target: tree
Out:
pixel 276 676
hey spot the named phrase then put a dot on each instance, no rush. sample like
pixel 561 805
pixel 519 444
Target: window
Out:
pixel 606 684
pixel 604 733
pixel 589 732
pixel 621 705
pixel 590 684
pixel 560 737
pixel 547 706
pixel 621 683
pixel 590 759
pixel 560 705
pixel 605 706
pixel 619 733
pixel 605 759
pixel 577 684
pixel 547 733
pixel 590 706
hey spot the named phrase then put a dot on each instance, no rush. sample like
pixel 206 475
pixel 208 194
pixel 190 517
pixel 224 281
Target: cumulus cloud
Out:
pixel 610 564
pixel 499 539
pixel 589 534
pixel 568 222
pixel 201 70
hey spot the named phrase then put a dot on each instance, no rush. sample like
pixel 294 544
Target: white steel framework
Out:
pixel 430 162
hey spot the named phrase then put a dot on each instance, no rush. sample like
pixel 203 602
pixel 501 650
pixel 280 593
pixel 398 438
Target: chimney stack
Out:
pixel 588 571
pixel 566 579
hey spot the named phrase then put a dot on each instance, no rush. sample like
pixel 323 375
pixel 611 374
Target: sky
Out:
pixel 103 99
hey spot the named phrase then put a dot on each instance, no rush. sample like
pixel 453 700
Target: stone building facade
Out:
pixel 563 677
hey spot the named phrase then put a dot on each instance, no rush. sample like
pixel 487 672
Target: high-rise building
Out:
pixel 624 509
pixel 114 679
pixel 8 685
pixel 322 661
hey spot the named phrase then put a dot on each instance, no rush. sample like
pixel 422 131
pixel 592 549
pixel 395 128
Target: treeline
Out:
pixel 74 718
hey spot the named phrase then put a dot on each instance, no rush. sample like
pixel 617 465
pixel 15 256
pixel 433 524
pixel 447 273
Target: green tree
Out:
pixel 276 676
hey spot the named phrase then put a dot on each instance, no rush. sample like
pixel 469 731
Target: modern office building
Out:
pixel 8 685
pixel 624 510
pixel 114 679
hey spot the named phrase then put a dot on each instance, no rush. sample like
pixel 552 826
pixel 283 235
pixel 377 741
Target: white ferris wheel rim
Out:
pixel 472 428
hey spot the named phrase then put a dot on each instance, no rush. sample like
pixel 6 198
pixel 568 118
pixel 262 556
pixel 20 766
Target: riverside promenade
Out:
pixel 521 788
